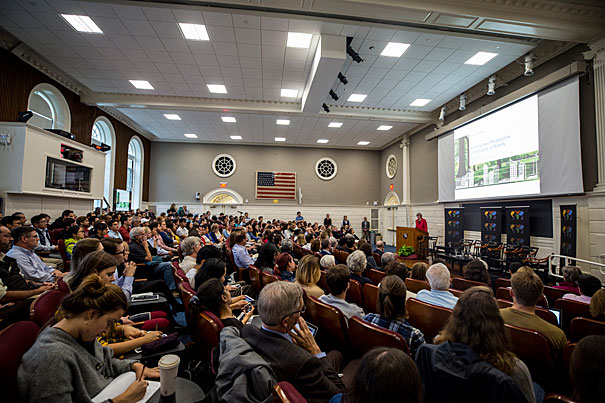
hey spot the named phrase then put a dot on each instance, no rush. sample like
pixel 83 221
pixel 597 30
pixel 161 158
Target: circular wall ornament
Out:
pixel 326 168
pixel 223 165
pixel 391 166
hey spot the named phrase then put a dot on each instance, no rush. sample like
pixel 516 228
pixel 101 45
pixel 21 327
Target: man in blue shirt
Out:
pixel 439 278
pixel 31 266
pixel 298 217
pixel 240 253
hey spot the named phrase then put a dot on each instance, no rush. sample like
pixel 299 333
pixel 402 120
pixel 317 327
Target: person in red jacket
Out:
pixel 421 223
pixel 124 229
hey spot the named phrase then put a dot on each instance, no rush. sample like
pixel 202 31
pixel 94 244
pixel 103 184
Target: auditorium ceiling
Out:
pixel 247 51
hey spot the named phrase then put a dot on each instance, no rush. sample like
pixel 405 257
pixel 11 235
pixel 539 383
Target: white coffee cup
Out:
pixel 169 368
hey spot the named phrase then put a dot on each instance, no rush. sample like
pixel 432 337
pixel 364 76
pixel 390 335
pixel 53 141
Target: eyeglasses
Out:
pixel 301 311
pixel 121 253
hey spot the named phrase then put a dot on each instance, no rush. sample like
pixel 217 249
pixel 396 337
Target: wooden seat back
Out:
pixel 331 322
pixel 267 278
pixel 208 332
pixel 581 327
pixel 364 336
pixel 534 350
pixel 552 294
pixel 323 283
pixel 502 282
pixel 416 285
pixel 430 319
pixel 370 298
pixel 375 275
pixel 255 278
pixel 354 293
pixel 572 309
pixel 463 284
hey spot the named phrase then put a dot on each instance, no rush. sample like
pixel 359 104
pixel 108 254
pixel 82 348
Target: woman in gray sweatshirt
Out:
pixel 67 363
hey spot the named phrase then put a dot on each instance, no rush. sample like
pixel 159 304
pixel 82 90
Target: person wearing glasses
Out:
pixel 31 266
pixel 286 343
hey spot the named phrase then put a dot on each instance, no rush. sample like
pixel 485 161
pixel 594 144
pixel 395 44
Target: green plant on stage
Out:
pixel 405 251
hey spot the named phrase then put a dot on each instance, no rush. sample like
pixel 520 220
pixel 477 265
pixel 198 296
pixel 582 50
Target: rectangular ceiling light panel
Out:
pixel 191 135
pixel 286 93
pixel 356 98
pixel 172 116
pixel 141 84
pixel 82 23
pixel 228 119
pixel 299 40
pixel 420 102
pixel 395 49
pixel 481 58
pixel 194 32
pixel 217 88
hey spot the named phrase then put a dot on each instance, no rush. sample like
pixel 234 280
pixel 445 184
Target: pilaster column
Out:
pixel 405 175
pixel 597 54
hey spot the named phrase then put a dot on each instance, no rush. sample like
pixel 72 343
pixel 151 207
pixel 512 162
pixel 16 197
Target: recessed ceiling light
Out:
pixel 356 98
pixel 141 84
pixel 299 40
pixel 236 137
pixel 420 102
pixel 395 49
pixel 217 88
pixel 280 139
pixel 82 23
pixel 384 127
pixel 363 143
pixel 282 122
pixel 191 135
pixel 195 32
pixel 228 119
pixel 481 58
pixel 335 124
pixel 289 93
pixel 172 116
pixel 322 141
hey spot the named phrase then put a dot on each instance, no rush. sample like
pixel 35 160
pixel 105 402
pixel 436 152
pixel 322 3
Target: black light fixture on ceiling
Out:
pixel 333 95
pixel 343 79
pixel 326 108
pixel 24 116
pixel 354 55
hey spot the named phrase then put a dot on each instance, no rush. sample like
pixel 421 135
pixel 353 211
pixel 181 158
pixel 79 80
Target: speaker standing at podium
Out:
pixel 421 223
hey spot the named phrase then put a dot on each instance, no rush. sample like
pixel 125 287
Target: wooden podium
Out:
pixel 414 237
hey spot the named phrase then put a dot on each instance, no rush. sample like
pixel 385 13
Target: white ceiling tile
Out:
pixel 220 33
pixel 274 24
pixel 228 61
pixel 111 26
pixel 273 52
pixel 225 49
pixel 425 66
pixel 417 52
pixel 213 18
pixel 132 12
pixel 206 60
pixel 167 68
pixel 176 45
pixel 246 21
pixel 159 14
pixel 150 43
pixel 234 72
pixel 124 42
pixel 452 42
pixel 97 9
pixel 274 38
pixel 252 73
pixel 428 39
pixel 159 56
pixel 210 71
pixel 270 81
pixel 253 82
pixel 188 16
pixel 250 62
pixel 439 54
pixel 460 56
pixel 188 68
pixel 112 54
pixel 304 26
pixel 201 47
pixel 446 68
pixel 380 34
pixel 331 28
pixel 137 55
pixel 244 35
pixel 139 27
pixel 67 7
pixel 247 50
pixel 385 62
pixel 167 29
pixel 173 78
pixel 231 82
pixel 272 64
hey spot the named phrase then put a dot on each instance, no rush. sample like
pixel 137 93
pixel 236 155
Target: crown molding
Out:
pixel 128 122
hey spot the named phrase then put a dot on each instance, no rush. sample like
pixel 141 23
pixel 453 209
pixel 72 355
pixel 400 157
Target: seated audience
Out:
pixel 15 291
pixel 366 248
pixel 67 363
pixel 292 352
pixel 157 241
pixel 286 266
pixel 571 274
pixel 266 257
pixel 315 246
pixel 82 249
pixel 349 243
pixel 240 254
pixel 476 270
pixel 587 370
pixel 419 271
pixel 385 375
pixel 126 223
pixel 217 268
pixel 527 288
pixel 74 235
pixel 182 231
pixel 400 270
pixel 140 253
pixel 205 253
pixel 114 230
pixel 325 247
pixel 213 296
pixel 379 248
pixel 100 230
pixel 588 285
pixel 338 279
pixel 472 356
pixel 392 314
pixel 356 262
pixel 11 222
pixel 31 266
pixel 40 224
pixel 386 258
pixel 308 274
pixel 190 246
pixel 327 261
pixel 58 223
pixel 439 279
pixel 597 305
pixel 215 235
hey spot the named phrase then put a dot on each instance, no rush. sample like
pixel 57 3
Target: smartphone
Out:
pixel 247 307
pixel 312 328
pixel 248 299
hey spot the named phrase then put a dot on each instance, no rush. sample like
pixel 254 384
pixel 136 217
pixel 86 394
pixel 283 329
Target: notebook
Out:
pixel 119 386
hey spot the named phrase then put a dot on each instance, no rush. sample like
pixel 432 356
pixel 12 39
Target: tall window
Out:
pixel 102 132
pixel 134 171
pixel 49 107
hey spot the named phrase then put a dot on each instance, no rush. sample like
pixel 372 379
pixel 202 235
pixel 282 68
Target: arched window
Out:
pixel 134 173
pixel 391 199
pixel 102 132
pixel 222 196
pixel 49 107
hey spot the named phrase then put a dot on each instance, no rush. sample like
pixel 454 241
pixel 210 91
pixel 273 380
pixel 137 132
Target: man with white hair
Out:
pixel 291 350
pixel 327 261
pixel 386 258
pixel 190 247
pixel 439 278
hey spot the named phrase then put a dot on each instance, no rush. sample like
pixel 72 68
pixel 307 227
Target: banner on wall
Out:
pixel 491 224
pixel 517 225
pixel 569 230
pixel 454 225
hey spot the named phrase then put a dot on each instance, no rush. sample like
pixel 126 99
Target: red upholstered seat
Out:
pixel 15 340
pixel 63 252
pixel 286 393
pixel 572 309
pixel 44 307
pixel 502 282
pixel 552 294
pixel 330 321
pixel 581 327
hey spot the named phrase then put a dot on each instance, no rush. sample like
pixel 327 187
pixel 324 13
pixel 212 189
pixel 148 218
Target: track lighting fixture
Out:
pixel 491 85
pixel 333 95
pixel 326 108
pixel 343 79
pixel 462 102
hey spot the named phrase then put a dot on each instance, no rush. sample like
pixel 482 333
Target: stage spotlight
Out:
pixel 491 85
pixel 326 108
pixel 462 102
pixel 24 116
pixel 529 64
pixel 442 114
pixel 354 55
pixel 343 79
pixel 334 95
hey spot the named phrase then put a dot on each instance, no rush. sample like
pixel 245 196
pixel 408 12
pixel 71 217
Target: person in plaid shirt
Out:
pixel 392 314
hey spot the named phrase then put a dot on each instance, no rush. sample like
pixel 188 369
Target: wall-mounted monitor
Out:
pixel 122 200
pixel 65 175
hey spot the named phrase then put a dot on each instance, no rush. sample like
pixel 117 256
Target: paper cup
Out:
pixel 169 368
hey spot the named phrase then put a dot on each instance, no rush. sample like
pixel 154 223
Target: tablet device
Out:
pixel 557 313
pixel 248 299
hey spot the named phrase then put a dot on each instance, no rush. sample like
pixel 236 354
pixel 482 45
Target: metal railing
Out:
pixel 567 260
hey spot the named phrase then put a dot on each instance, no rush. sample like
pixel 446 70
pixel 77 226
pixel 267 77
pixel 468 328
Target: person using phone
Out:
pixel 214 297
pixel 67 360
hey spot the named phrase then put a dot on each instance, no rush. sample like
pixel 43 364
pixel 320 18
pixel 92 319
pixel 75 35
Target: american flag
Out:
pixel 276 185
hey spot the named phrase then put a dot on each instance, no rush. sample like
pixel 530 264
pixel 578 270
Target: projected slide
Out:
pixel 498 154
